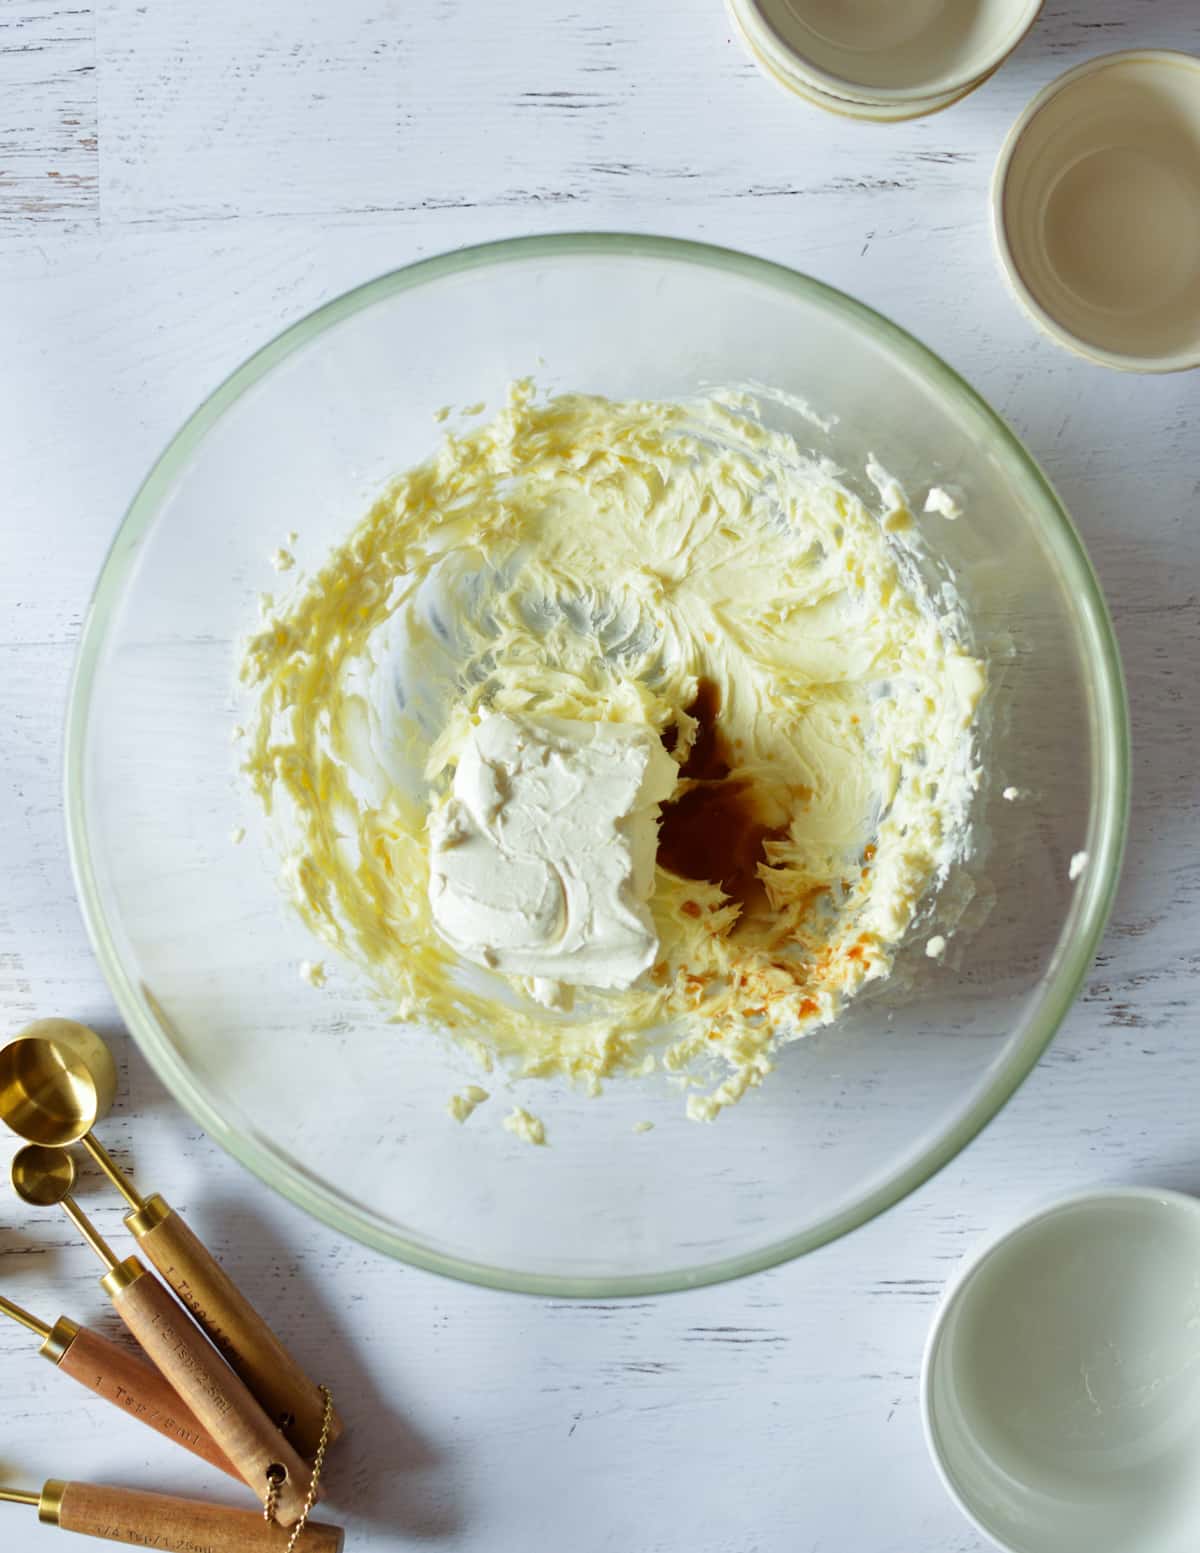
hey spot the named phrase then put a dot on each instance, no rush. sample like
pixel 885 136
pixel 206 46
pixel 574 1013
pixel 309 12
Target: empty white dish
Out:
pixel 1061 1384
pixel 1096 210
pixel 891 51
pixel 785 70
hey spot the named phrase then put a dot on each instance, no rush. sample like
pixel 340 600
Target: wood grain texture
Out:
pixel 48 140
pixel 179 1525
pixel 123 1377
pixel 290 1400
pixel 214 1394
pixel 253 162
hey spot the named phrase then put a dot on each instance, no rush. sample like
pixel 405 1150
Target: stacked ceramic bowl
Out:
pixel 882 60
pixel 1096 210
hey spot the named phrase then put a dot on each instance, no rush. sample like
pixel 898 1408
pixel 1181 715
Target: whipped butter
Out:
pixel 462 1106
pixel 682 577
pixel 541 858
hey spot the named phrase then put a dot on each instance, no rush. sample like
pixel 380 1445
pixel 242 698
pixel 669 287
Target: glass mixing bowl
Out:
pixel 343 1111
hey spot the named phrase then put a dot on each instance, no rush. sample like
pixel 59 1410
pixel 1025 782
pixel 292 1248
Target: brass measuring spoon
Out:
pixel 162 1521
pixel 44 1177
pixel 122 1378
pixel 57 1079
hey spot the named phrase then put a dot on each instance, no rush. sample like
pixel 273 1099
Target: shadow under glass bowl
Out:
pixel 344 1112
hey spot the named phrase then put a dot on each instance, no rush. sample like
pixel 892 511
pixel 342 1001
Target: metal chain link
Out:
pixel 277 1477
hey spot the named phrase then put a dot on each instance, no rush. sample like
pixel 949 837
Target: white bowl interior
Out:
pixel 1100 208
pixel 898 47
pixel 1063 1381
pixel 788 71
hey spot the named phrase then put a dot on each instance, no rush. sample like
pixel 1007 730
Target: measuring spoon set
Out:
pixel 218 1381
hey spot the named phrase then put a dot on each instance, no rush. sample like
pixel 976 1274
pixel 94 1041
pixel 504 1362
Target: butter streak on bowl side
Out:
pixel 580 558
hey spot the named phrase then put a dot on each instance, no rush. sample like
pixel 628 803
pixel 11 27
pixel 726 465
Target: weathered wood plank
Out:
pixel 49 159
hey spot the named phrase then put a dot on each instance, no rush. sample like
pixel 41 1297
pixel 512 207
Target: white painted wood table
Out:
pixel 177 182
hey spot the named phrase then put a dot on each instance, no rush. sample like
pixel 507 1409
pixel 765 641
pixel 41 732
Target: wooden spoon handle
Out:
pixel 208 1386
pixel 137 1388
pixel 287 1395
pixel 177 1525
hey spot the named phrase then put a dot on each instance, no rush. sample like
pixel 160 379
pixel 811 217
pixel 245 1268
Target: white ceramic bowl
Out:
pixel 783 68
pixel 893 52
pixel 1061 1384
pixel 1096 210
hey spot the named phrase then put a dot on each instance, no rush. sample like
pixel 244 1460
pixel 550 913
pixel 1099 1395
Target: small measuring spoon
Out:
pixel 45 1177
pixel 162 1521
pixel 57 1079
pixel 122 1378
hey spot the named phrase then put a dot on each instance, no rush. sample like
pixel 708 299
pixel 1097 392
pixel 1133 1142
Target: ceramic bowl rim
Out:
pixel 1178 361
pixel 952 86
pixel 965 1274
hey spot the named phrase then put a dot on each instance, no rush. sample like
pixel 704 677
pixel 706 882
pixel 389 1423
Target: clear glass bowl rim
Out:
pixel 1107 830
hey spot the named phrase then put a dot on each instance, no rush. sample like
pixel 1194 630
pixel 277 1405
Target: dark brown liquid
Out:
pixel 716 830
